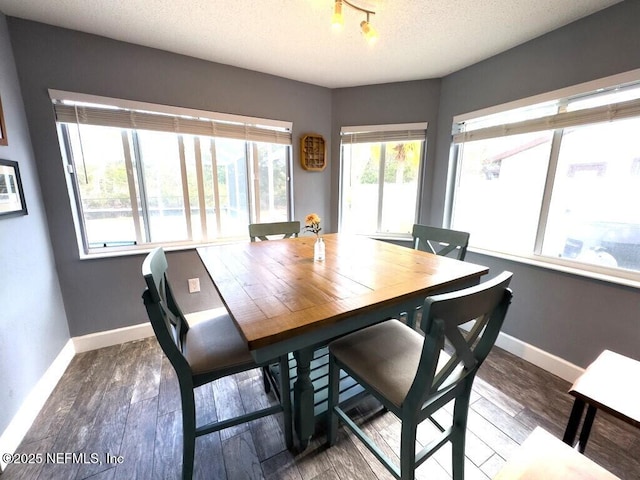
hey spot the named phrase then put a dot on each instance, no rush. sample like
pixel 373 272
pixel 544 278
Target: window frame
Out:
pixel 131 148
pixel 383 133
pixel 536 258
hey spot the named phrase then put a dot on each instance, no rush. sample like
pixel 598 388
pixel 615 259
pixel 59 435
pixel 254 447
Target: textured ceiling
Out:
pixel 418 39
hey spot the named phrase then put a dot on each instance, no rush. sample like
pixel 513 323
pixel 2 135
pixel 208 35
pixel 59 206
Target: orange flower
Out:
pixel 312 218
pixel 312 223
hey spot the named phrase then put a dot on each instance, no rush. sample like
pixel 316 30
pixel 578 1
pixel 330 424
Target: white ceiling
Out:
pixel 418 39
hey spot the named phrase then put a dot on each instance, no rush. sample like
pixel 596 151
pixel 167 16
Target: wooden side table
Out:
pixel 542 456
pixel 610 384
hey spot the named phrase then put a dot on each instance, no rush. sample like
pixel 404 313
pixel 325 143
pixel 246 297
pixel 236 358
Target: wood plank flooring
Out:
pixel 123 401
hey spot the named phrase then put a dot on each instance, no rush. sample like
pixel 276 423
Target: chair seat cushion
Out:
pixel 216 345
pixel 385 356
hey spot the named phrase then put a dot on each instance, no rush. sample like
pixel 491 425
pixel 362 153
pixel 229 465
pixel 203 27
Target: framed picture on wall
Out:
pixel 3 129
pixel 11 194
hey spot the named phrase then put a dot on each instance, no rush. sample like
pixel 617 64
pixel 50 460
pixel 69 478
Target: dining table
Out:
pixel 282 301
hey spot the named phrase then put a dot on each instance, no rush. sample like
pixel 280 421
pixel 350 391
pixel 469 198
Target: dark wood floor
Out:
pixel 123 401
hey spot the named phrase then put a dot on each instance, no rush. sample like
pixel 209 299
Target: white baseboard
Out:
pixel 545 360
pixel 23 419
pixel 93 341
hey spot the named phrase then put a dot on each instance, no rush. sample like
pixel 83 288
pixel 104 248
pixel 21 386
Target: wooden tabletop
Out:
pixel 544 457
pixel 274 290
pixel 611 384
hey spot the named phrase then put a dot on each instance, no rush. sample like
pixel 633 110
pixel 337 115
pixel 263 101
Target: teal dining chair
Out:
pixel 439 241
pixel 201 354
pixel 262 231
pixel 415 376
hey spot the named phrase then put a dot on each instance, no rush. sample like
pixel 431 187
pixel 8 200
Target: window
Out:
pixel 558 180
pixel 380 178
pixel 142 174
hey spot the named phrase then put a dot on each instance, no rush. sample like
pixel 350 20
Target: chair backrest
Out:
pixel 440 241
pixel 165 315
pixel 262 231
pixel 483 309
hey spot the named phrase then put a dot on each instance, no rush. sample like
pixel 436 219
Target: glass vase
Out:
pixel 318 250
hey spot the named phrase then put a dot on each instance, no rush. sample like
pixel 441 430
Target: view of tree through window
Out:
pixel 380 183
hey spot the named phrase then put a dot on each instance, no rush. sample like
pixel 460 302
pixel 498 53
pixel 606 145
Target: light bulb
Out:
pixel 338 20
pixel 369 32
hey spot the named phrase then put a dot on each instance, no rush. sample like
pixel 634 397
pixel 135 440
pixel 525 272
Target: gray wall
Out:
pixel 551 310
pixel 569 316
pixel 33 324
pixel 402 102
pixel 103 294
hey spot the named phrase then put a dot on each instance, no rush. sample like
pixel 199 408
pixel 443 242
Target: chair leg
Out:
pixel 457 455
pixel 188 433
pixel 459 434
pixel 332 400
pixel 413 318
pixel 265 379
pixel 408 449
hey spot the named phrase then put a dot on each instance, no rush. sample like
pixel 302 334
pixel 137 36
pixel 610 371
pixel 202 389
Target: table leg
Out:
pixel 574 421
pixel 303 401
pixel 586 428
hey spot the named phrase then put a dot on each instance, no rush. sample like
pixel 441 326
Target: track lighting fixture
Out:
pixel 370 33
pixel 338 20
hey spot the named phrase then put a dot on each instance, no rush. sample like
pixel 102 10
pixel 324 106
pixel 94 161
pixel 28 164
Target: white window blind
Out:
pixel 384 133
pixel 70 110
pixel 604 113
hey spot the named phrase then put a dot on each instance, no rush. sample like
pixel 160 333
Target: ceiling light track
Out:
pixel 370 34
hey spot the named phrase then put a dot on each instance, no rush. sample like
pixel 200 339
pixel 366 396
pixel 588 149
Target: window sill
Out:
pixel 626 278
pixel 389 237
pixel 112 252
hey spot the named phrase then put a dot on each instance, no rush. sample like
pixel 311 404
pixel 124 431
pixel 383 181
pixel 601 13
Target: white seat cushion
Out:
pixel 385 356
pixel 215 344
